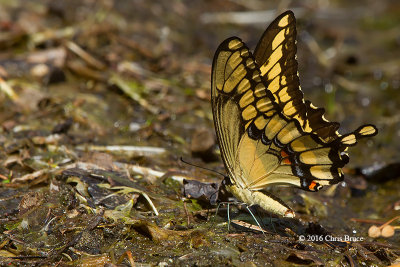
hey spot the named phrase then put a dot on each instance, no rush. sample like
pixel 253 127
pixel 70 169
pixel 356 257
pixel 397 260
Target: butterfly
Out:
pixel 267 133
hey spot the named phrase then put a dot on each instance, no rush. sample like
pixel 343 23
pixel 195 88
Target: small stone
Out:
pixel 387 231
pixel 374 231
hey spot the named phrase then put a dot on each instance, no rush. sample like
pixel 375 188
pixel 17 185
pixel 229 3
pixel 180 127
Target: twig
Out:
pixel 7 89
pixel 89 59
pixel 127 150
pixel 247 17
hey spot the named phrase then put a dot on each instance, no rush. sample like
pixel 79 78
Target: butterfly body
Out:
pixel 266 202
pixel 268 134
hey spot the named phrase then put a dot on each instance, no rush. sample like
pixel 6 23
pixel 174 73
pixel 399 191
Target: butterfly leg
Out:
pixel 216 212
pixel 255 219
pixel 228 213
pixel 229 218
pixel 272 223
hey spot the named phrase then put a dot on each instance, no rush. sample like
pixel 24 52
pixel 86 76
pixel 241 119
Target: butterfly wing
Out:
pixel 266 131
pixel 275 54
pixel 236 87
pixel 238 96
pixel 260 144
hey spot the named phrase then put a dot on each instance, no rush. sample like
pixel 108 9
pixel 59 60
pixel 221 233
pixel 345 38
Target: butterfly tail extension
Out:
pixel 265 201
pixel 351 139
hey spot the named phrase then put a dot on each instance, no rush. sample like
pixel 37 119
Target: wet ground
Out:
pixel 100 99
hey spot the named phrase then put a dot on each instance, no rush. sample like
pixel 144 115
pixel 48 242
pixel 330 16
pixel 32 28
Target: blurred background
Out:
pixel 130 72
pixel 90 81
pixel 157 55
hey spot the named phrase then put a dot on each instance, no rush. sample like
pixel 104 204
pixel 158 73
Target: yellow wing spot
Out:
pixel 264 104
pixel 233 62
pixel 250 63
pixel 283 80
pixel 306 127
pixel 256 76
pixel 301 121
pixel 247 125
pixel 312 106
pixel 243 86
pixel 244 52
pixel 303 143
pixel 274 126
pixel 321 172
pixel 270 113
pixel 323 183
pixel 285 98
pixel 283 92
pixel 283 95
pixel 259 91
pixel 289 109
pixel 246 99
pixel 279 38
pixel 235 44
pixel 274 71
pixel 349 140
pixel 284 21
pixel 260 122
pixel 274 85
pixel 297 117
pixel 249 113
pixel 317 156
pixel 234 79
pixel 273 59
pixel 288 133
pixel 367 130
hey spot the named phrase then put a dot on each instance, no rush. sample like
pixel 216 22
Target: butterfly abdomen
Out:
pixel 267 202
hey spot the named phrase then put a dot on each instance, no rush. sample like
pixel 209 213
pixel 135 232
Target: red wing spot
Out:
pixel 285 158
pixel 312 186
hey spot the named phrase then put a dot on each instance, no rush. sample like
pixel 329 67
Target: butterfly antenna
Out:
pixel 194 165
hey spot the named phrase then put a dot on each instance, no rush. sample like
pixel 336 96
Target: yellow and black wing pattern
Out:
pixel 276 55
pixel 266 131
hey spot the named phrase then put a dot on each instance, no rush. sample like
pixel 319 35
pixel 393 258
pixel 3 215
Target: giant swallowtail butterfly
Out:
pixel 267 133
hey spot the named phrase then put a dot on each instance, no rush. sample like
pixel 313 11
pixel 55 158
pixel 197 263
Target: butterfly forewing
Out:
pixel 275 54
